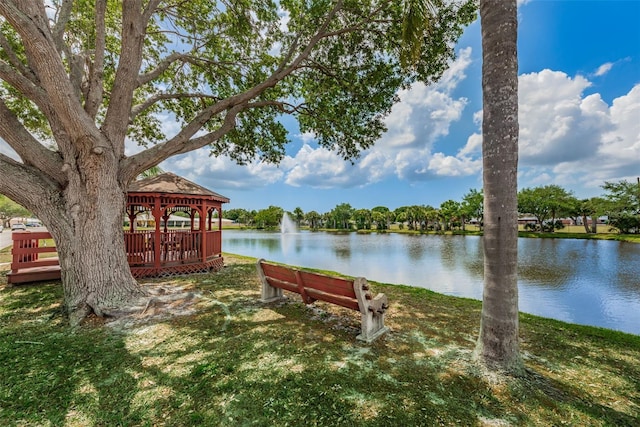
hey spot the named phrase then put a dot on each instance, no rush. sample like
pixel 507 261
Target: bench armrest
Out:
pixel 371 310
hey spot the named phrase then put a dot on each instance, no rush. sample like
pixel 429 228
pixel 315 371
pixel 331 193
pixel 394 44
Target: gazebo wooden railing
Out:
pixel 175 252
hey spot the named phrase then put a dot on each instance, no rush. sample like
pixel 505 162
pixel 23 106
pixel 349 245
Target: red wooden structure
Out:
pixel 26 263
pixel 150 252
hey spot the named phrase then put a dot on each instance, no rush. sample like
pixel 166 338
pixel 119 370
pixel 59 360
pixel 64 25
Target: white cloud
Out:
pixel 222 173
pixel 444 165
pixel 620 147
pixel 424 115
pixel 321 168
pixel 604 69
pixel 472 147
pixel 556 123
pixel 456 72
pixel 307 137
pixel 570 139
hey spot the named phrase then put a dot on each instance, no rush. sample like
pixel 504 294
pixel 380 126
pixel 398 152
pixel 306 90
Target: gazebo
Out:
pixel 166 252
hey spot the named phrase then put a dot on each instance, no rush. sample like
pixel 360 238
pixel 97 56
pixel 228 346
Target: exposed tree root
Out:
pixel 161 302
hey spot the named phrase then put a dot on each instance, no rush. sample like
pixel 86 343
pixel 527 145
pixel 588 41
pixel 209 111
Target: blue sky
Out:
pixel 579 90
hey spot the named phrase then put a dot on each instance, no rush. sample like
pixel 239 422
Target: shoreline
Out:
pixel 629 238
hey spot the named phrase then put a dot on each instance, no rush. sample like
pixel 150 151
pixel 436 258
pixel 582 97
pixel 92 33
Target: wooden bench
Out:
pixel 349 293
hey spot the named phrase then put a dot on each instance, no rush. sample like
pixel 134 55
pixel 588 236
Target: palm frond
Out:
pixel 415 26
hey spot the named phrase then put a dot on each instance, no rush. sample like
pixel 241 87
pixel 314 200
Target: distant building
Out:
pixel 527 220
pixel 29 222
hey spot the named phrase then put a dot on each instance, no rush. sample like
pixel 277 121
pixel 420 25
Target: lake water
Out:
pixel 591 282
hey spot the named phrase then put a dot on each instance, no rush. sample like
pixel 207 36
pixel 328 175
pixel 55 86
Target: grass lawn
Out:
pixel 237 362
pixel 5 255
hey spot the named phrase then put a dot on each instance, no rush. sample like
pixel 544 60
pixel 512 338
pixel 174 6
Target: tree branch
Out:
pixel 139 108
pixel 319 35
pixel 28 148
pixel 162 67
pixel 151 8
pixel 61 24
pixel 30 21
pixel 15 61
pixel 95 90
pixel 132 166
pixel 132 41
pixel 284 107
pixel 22 84
pixel 76 71
pixel 26 185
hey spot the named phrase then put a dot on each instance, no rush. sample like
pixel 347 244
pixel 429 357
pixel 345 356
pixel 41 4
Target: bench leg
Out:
pixel 269 293
pixel 372 327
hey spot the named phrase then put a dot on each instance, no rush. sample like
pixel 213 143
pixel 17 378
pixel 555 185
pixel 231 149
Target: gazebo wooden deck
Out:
pixel 150 252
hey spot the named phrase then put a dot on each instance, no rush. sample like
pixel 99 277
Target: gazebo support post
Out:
pixel 132 218
pixel 157 250
pixel 204 213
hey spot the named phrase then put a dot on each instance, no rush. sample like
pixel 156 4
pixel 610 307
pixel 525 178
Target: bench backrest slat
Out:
pixel 279 272
pixel 328 284
pixel 282 284
pixel 285 278
pixel 334 299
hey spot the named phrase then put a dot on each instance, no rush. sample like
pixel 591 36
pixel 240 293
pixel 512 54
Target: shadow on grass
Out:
pixel 571 398
pixel 51 376
pixel 240 362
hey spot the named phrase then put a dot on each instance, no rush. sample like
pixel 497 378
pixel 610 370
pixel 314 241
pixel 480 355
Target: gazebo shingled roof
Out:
pixel 173 184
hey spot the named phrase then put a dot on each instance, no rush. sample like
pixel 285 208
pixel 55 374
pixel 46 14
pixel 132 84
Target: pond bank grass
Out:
pixel 239 362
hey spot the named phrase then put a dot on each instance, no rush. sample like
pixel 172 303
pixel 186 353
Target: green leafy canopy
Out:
pixel 333 65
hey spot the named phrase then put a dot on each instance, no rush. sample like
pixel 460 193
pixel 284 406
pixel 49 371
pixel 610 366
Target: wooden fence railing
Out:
pixel 26 263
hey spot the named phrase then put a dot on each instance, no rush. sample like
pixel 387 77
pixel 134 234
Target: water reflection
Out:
pixel 342 249
pixel 627 256
pixel 580 281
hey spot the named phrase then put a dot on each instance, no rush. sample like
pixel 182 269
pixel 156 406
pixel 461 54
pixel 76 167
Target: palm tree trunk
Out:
pixel 498 347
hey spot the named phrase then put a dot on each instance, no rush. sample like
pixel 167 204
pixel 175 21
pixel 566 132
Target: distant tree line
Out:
pixel 10 209
pixel 620 204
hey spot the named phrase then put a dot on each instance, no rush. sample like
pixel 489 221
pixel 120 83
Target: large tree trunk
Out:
pixel 88 230
pixel 498 346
